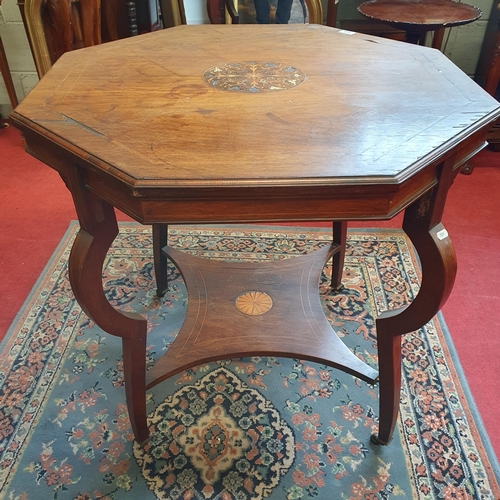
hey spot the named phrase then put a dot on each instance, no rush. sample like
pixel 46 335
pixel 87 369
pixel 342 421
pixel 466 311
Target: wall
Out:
pixel 18 53
pixel 196 12
pixel 463 44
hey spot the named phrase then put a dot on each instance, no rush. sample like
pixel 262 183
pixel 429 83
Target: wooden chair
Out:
pixel 7 78
pixel 55 27
pixel 220 10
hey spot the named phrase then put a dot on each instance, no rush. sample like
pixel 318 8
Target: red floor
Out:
pixel 36 208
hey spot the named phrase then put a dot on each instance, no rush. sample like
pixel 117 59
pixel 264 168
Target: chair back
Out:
pixel 315 11
pixel 58 26
pixel 223 11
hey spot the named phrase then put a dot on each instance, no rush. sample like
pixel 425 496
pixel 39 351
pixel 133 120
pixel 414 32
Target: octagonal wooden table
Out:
pixel 222 124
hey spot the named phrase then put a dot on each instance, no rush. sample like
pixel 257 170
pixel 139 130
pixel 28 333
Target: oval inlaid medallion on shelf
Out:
pixel 253 77
pixel 254 303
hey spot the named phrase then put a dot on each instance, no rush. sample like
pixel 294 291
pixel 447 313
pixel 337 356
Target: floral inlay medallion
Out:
pixel 253 76
pixel 254 303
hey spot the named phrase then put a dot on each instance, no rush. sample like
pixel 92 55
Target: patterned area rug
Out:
pixel 234 430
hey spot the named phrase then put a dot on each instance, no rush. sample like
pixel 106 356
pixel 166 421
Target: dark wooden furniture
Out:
pixel 7 77
pixel 417 17
pixel 217 10
pixel 148 16
pixel 56 27
pixel 211 135
pixel 365 25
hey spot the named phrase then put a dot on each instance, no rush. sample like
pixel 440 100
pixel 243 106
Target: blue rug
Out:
pixel 234 430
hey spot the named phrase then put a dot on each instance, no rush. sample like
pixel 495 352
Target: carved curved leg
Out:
pixel 438 262
pixel 438 275
pixel 98 230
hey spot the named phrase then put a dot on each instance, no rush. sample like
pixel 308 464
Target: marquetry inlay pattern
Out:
pixel 253 77
pixel 226 314
pixel 254 303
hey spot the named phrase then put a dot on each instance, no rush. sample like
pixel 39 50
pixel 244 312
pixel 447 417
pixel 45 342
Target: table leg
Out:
pixel 415 37
pixel 433 245
pixel 97 232
pixel 160 240
pixel 437 39
pixel 340 238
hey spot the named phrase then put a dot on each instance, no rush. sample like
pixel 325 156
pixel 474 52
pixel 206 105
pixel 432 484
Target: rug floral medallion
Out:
pixel 240 429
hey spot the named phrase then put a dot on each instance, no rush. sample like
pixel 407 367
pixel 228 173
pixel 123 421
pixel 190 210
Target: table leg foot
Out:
pixel 134 371
pixel 389 358
pixel 375 439
pixel 337 289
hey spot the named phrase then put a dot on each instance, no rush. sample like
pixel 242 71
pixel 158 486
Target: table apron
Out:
pixel 249 204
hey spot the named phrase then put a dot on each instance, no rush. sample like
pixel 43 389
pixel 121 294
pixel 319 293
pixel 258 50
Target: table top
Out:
pixel 232 107
pixel 430 14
